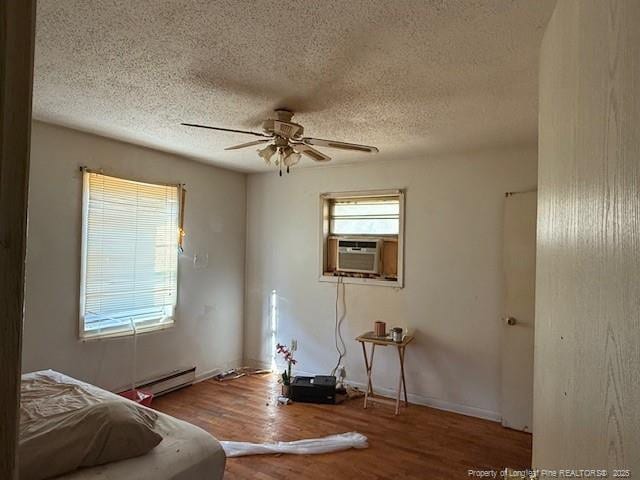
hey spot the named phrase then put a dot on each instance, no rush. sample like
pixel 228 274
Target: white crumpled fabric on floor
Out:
pixel 332 443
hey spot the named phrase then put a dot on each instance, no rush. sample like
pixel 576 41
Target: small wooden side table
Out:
pixel 371 338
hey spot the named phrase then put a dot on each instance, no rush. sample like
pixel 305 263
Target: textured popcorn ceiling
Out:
pixel 411 77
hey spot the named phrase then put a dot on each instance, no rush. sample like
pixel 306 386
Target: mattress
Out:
pixel 186 452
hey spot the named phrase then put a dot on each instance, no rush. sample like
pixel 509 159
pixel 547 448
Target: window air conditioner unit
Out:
pixel 359 255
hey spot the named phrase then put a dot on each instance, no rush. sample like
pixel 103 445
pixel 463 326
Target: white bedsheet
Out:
pixel 185 453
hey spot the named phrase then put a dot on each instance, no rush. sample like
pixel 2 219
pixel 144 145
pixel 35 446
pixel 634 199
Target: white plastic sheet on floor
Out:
pixel 332 443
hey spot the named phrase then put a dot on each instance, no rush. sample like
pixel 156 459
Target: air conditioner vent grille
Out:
pixel 359 255
pixel 356 262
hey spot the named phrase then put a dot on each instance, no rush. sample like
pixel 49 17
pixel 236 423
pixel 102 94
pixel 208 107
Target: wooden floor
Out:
pixel 420 443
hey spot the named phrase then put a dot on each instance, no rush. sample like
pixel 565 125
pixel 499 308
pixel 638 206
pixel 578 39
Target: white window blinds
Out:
pixel 365 216
pixel 130 255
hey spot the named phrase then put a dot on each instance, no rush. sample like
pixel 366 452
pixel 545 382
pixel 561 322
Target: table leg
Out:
pixel 369 382
pixel 401 382
pixel 404 383
pixel 368 365
pixel 399 391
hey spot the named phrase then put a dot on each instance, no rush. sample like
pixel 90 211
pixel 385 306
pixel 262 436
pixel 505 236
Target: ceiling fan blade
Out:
pixel 341 145
pixel 246 132
pixel 248 144
pixel 311 152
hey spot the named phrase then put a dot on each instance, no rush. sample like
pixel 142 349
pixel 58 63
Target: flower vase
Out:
pixel 286 390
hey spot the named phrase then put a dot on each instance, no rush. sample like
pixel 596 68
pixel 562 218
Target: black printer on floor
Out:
pixel 318 389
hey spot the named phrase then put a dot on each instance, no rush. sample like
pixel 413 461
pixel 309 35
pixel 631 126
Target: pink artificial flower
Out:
pixel 286 354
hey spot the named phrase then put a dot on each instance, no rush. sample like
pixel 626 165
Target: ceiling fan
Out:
pixel 286 142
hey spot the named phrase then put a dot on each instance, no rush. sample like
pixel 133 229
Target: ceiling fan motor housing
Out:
pixel 283 129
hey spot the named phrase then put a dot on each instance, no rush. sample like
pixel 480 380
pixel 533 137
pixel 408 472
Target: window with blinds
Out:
pixel 365 216
pixel 129 256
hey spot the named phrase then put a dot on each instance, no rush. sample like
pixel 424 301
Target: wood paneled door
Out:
pixel 17 20
pixel 519 263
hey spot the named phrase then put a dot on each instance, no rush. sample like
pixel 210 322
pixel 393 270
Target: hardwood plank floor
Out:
pixel 420 443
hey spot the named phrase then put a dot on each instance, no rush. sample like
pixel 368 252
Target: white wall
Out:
pixel 453 278
pixel 208 329
pixel 587 354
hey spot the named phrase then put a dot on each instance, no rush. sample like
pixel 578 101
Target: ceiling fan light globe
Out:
pixel 285 152
pixel 292 159
pixel 267 152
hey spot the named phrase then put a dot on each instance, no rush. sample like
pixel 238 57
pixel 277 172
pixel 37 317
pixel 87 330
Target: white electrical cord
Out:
pixel 135 353
pixel 135 345
pixel 341 349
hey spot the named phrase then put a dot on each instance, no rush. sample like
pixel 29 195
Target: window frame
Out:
pixel 84 335
pixel 324 233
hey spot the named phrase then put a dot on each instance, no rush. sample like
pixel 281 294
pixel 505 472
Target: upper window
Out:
pixel 362 237
pixel 365 216
pixel 129 256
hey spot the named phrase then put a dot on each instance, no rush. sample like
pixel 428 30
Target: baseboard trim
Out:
pixel 201 377
pixel 435 403
pixel 413 398
pixel 253 363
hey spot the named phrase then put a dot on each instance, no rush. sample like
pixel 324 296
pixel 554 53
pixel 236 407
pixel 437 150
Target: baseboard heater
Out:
pixel 169 382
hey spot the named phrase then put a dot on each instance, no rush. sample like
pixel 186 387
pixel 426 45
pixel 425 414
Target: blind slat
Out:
pixel 365 216
pixel 130 253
